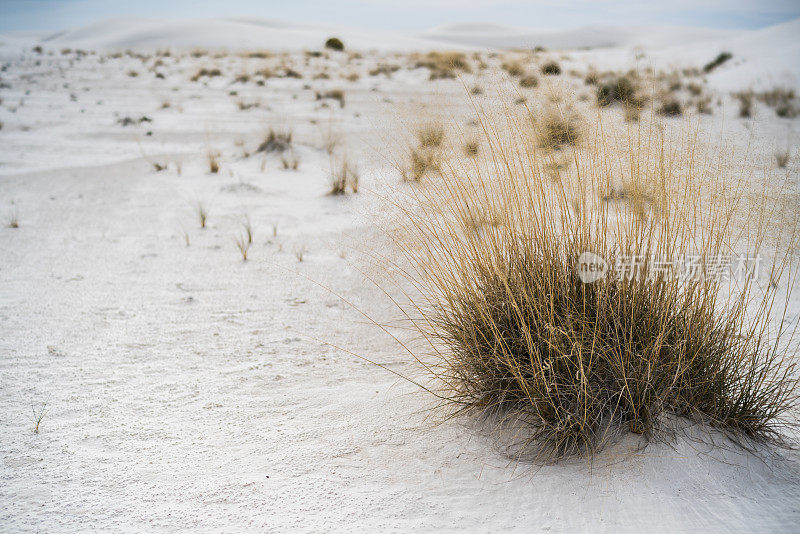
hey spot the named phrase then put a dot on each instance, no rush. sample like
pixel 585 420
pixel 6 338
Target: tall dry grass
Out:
pixel 510 331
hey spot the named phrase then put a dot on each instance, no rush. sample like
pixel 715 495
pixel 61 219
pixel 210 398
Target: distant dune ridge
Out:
pixel 763 57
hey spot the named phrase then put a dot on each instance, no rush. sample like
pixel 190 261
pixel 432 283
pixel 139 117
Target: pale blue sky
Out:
pixel 410 15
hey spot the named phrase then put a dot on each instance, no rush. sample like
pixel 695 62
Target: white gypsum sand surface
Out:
pixel 187 389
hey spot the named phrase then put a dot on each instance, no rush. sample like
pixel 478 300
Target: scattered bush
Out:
pixel 334 94
pixel 290 161
pixel 558 128
pixel 560 363
pixel 782 159
pixel 528 81
pixel 513 68
pixel 717 61
pixel 343 174
pixel 202 214
pixel 670 108
pixel 334 43
pixel 551 68
pixel 471 148
pixel 213 162
pixel 206 73
pixel 745 99
pixel 430 135
pixel 276 141
pixel 621 89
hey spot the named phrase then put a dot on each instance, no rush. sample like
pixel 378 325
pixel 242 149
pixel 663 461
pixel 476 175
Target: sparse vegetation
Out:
pixel 670 108
pixel 243 243
pixel 621 89
pixel 202 214
pixel 38 414
pixel 334 94
pixel 276 140
pixel 430 135
pixel 343 175
pixel 528 81
pixel 558 127
pixel 334 43
pixel 213 162
pixel 551 68
pixel 717 61
pixel 782 159
pixel 745 99
pixel 13 220
pixel 560 364
pixel 290 161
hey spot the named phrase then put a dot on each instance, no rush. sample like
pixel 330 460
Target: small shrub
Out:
pixel 430 135
pixel 243 244
pixel 670 108
pixel 717 61
pixel 745 99
pixel 421 161
pixel 206 73
pixel 528 81
pixel 782 159
pixel 558 128
pixel 704 105
pixel 621 89
pixel 551 68
pixel 334 43
pixel 334 94
pixel 471 148
pixel 202 214
pixel 276 141
pixel 13 220
pixel 513 68
pixel 343 175
pixel 213 162
pixel 560 365
pixel 290 161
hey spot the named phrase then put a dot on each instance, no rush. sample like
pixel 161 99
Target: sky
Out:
pixel 410 15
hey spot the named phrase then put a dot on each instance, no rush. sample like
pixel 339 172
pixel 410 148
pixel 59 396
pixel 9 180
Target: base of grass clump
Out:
pixel 520 333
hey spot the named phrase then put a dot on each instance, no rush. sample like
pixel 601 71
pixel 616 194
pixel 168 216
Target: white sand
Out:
pixel 187 390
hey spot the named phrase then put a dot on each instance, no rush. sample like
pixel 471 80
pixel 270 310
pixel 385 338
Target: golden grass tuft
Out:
pixel 512 331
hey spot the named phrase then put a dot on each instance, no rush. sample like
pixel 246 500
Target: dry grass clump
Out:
pixel 782 159
pixel 528 81
pixel 343 175
pixel 557 128
pixel 745 99
pixel 334 94
pixel 551 68
pixel 384 68
pixel 13 220
pixel 421 162
pixel 781 99
pixel 513 67
pixel 670 108
pixel 290 161
pixel 621 89
pixel 717 61
pixel 471 148
pixel 276 140
pixel 443 65
pixel 213 162
pixel 206 73
pixel 537 324
pixel 430 135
